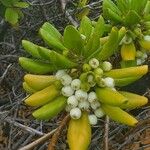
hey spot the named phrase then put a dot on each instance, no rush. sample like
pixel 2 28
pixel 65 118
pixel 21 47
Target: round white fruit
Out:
pixel 75 84
pixel 66 79
pixel 92 119
pixel 72 101
pixel 81 95
pixel 106 66
pixel 67 91
pixel 99 113
pixel 60 73
pixel 92 97
pixel 75 113
pixel 84 105
pixel 109 82
pixel 94 63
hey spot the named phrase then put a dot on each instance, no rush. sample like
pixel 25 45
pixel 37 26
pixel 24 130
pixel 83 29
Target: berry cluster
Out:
pixel 80 91
pixel 141 56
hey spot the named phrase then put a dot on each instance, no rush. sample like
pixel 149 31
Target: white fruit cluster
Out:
pixel 147 38
pixel 79 99
pixel 141 56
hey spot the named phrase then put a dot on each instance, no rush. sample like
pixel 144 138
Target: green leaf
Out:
pixel 147 8
pixel 132 18
pixel 57 60
pixel 31 48
pixel 94 41
pixel 6 2
pixel 125 81
pixel 84 12
pixel 36 66
pixel 15 1
pixel 51 41
pixel 114 16
pixel 86 27
pixel 128 63
pixel 11 16
pixel 123 6
pixel 137 5
pixel 146 18
pixel 108 28
pixel 108 4
pixel 52 30
pixel 21 4
pixel 73 40
pixel 110 47
pixel 98 32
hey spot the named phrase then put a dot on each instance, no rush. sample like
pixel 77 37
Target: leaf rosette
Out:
pixel 73 74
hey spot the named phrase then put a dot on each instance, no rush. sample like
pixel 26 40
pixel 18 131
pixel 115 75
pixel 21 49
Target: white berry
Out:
pixel 139 61
pixel 84 105
pixel 92 119
pixel 66 79
pixel 67 91
pixel 94 63
pixel 147 38
pixel 75 113
pixel 106 66
pixel 99 113
pixel 60 73
pixel 95 105
pixel 81 95
pixel 72 101
pixel 109 82
pixel 144 56
pixel 75 84
pixel 92 97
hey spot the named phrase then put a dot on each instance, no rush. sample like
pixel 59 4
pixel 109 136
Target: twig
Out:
pixel 5 72
pixel 130 139
pixel 141 124
pixel 54 139
pixel 70 18
pixel 26 128
pixel 106 133
pixel 41 4
pixel 3 117
pixel 8 56
pixel 38 141
pixel 7 44
pixel 63 4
